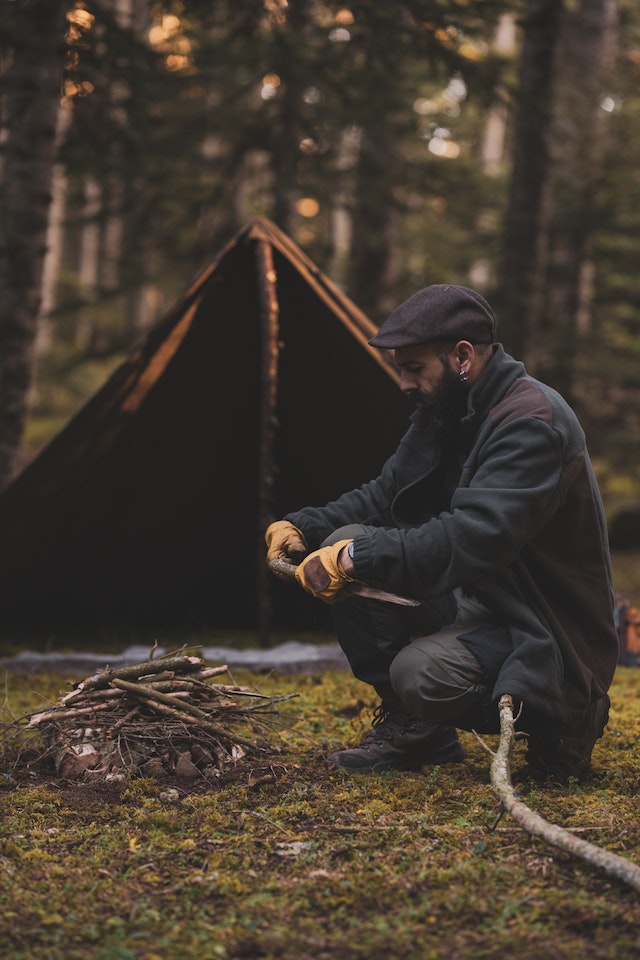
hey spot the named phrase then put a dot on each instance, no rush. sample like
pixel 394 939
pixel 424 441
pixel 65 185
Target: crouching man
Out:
pixel 489 515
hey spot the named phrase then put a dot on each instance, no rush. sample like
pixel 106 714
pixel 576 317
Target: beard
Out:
pixel 445 406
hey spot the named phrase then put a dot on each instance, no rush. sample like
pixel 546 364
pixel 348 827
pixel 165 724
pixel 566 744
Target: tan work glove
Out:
pixel 321 575
pixel 284 541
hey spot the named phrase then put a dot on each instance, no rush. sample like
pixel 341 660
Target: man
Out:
pixel 489 514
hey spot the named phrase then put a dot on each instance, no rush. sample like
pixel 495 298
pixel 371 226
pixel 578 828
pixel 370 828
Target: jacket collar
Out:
pixel 492 384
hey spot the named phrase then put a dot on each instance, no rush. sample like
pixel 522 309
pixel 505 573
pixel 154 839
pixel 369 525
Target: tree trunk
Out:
pixel 285 131
pixel 526 217
pixel 373 242
pixel 584 69
pixel 32 62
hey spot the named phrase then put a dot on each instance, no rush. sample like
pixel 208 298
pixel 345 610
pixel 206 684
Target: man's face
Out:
pixel 422 371
pixel 429 378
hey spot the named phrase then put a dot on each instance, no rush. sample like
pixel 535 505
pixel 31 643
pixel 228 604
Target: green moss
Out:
pixel 316 864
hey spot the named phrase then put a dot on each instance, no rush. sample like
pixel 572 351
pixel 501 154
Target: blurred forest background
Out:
pixel 398 142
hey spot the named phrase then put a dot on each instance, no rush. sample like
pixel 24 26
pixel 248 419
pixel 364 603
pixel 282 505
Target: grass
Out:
pixel 626 574
pixel 311 863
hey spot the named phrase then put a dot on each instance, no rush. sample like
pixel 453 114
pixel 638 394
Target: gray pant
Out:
pixel 440 660
pixel 441 681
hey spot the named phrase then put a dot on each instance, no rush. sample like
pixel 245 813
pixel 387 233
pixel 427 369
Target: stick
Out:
pixel 270 700
pixel 212 671
pixel 184 711
pixel 148 693
pixel 83 700
pixel 100 680
pixel 99 700
pixel 54 715
pixel 537 826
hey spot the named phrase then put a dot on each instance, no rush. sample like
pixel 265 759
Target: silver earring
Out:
pixel 463 376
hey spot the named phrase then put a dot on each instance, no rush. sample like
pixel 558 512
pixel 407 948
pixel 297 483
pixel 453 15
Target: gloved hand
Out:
pixel 284 541
pixel 321 575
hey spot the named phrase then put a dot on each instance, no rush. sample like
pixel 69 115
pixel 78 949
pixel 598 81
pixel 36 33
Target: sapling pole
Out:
pixel 537 826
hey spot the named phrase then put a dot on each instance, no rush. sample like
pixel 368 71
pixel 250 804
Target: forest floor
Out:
pixel 282 859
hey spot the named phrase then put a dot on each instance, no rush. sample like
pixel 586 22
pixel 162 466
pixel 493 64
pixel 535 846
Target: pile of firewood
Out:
pixel 161 717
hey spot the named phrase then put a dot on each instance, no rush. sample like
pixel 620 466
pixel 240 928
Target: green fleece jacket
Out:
pixel 521 527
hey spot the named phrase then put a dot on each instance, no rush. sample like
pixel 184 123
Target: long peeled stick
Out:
pixel 537 826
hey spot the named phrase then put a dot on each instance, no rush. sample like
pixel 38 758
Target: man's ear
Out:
pixel 464 352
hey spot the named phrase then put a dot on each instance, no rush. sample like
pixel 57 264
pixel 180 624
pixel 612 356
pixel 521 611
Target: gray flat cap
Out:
pixel 442 311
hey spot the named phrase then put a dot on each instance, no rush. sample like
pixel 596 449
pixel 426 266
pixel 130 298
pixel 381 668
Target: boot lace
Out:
pixel 387 721
pixel 380 714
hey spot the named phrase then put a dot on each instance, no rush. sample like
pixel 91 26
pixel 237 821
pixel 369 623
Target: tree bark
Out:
pixel 526 217
pixel 33 50
pixel 374 240
pixel 584 72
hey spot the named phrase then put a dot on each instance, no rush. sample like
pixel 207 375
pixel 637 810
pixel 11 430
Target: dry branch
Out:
pixel 537 826
pixel 178 710
pixel 37 719
pixel 102 679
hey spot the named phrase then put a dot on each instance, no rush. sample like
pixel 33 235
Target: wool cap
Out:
pixel 442 311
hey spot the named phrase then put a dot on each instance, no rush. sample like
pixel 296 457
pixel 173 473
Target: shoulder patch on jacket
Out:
pixel 524 398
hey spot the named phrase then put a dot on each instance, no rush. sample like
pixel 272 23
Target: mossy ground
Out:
pixel 316 864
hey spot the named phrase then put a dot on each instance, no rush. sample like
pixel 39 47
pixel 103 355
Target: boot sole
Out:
pixel 452 754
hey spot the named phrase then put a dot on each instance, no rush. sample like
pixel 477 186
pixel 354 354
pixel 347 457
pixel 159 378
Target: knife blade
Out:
pixel 286 570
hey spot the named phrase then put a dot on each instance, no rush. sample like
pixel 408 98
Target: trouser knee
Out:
pixel 439 680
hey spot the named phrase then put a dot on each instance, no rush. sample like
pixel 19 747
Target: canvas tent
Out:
pixel 256 394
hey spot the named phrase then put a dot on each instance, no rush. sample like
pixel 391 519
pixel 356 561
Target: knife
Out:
pixel 286 570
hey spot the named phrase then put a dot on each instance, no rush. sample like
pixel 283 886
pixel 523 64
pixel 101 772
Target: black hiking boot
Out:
pixel 398 741
pixel 561 753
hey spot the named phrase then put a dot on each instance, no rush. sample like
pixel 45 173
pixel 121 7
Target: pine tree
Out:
pixel 32 65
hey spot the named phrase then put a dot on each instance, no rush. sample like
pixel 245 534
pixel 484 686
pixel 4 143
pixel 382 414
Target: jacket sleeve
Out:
pixel 369 504
pixel 516 486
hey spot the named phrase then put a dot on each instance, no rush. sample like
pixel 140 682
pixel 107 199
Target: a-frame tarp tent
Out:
pixel 256 394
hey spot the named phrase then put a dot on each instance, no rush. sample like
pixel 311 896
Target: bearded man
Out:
pixel 489 515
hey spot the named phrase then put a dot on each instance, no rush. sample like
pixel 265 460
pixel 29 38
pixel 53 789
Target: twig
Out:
pixel 125 719
pixel 537 826
pixel 482 743
pixel 214 672
pixel 103 679
pixel 148 693
pixel 263 816
pixel 183 711
pixel 53 715
pixel 252 707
